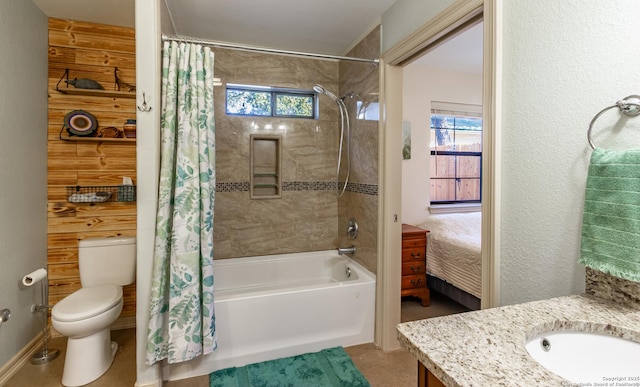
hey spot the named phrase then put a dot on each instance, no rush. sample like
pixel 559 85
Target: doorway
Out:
pixel 441 174
pixel 457 17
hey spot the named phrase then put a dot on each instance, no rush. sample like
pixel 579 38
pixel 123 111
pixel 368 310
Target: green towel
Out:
pixel 611 221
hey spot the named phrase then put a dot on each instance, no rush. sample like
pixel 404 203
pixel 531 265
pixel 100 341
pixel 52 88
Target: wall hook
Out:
pixel 144 107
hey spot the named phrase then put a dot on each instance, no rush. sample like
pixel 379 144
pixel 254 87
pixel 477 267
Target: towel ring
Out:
pixel 629 106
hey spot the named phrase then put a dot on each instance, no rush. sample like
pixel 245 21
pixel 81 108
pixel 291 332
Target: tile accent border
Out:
pixel 365 189
pixel 233 187
pixel 361 188
pixel 308 185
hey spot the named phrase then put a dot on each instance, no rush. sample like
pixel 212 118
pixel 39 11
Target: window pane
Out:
pixel 294 105
pixel 468 141
pixel 468 166
pixel 443 166
pixel 247 102
pixel 468 189
pixel 443 190
pixel 455 175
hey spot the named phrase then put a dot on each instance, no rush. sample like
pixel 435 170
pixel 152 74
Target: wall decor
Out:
pixel 406 140
pixel 80 123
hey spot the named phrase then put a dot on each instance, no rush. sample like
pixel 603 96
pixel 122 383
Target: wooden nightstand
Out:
pixel 414 263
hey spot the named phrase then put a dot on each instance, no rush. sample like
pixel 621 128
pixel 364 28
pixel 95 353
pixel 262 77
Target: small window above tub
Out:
pixel 265 101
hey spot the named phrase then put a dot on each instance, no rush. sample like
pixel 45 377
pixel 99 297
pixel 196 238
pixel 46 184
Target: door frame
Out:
pixel 457 16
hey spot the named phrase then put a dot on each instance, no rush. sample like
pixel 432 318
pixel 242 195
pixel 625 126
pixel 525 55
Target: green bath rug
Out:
pixel 329 367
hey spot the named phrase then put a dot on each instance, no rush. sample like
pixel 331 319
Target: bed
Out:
pixel 454 260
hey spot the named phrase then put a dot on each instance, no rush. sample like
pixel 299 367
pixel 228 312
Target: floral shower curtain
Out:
pixel 181 314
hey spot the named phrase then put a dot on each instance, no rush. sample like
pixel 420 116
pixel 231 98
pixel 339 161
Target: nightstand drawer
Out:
pixel 413 254
pixel 414 263
pixel 414 242
pixel 414 281
pixel 412 268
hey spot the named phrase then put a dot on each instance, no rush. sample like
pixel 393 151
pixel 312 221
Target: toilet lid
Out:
pixel 87 302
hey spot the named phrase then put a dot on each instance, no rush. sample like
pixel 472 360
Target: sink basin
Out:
pixel 584 357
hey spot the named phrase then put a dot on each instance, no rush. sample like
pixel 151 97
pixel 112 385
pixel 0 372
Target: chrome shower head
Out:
pixel 320 89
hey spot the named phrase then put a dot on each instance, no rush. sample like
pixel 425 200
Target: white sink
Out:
pixel 583 357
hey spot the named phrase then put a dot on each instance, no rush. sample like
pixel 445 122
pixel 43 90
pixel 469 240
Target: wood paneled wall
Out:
pixel 89 51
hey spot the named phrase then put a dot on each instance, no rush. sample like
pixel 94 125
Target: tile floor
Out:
pixel 393 369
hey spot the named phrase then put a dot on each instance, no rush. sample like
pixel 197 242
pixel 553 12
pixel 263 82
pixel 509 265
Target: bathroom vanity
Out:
pixel 487 347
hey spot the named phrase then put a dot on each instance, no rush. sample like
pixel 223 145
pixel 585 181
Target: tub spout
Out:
pixel 346 250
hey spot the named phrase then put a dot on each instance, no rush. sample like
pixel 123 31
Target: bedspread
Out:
pixel 454 249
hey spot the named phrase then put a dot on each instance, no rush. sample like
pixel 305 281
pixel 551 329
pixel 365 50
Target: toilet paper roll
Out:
pixel 34 277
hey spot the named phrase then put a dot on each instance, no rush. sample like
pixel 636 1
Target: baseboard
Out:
pixel 20 359
pixel 121 323
pixel 157 383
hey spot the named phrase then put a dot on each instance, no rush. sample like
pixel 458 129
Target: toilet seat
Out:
pixel 86 303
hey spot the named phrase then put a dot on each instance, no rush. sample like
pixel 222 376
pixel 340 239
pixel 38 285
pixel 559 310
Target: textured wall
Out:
pixel 305 217
pixel 23 168
pixel 361 199
pixel 563 63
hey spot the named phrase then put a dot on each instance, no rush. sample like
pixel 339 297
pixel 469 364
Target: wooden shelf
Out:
pixel 96 139
pixel 97 93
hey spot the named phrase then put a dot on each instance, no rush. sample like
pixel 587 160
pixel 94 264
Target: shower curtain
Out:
pixel 181 313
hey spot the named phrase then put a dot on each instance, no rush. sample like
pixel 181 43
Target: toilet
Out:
pixel 85 316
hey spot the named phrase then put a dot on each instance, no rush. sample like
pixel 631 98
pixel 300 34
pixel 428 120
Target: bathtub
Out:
pixel 276 306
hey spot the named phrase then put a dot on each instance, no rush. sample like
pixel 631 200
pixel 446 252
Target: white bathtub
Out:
pixel 283 305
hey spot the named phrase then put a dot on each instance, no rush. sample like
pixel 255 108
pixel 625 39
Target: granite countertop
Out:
pixel 487 347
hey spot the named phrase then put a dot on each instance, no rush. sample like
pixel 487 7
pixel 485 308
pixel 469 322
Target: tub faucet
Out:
pixel 346 250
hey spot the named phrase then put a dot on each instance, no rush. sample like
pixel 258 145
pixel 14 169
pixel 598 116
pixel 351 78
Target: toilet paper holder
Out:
pixel 5 314
pixel 46 355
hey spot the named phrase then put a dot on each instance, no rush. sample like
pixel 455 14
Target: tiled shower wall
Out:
pixel 361 199
pixel 305 218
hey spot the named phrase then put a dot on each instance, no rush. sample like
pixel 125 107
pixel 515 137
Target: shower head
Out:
pixel 320 89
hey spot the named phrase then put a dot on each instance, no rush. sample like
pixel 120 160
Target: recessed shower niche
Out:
pixel 266 162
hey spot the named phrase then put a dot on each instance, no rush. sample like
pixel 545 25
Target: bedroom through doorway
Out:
pixel 442 175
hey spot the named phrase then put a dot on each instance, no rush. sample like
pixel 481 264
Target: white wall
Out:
pixel 421 85
pixel 23 168
pixel 562 63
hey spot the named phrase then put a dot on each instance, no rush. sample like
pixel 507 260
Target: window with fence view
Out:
pixel 456 155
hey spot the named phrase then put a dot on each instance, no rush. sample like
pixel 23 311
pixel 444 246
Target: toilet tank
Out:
pixel 107 261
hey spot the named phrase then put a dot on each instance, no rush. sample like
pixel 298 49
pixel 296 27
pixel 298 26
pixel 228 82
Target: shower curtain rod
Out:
pixel 212 43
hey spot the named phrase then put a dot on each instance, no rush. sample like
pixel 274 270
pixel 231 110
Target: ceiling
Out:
pixel 320 26
pixel 462 53
pixel 112 12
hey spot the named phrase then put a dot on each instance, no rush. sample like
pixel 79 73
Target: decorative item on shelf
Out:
pixel 90 197
pixel 84 83
pixel 120 84
pixel 109 132
pixel 80 123
pixel 104 193
pixel 130 128
pixel 127 191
